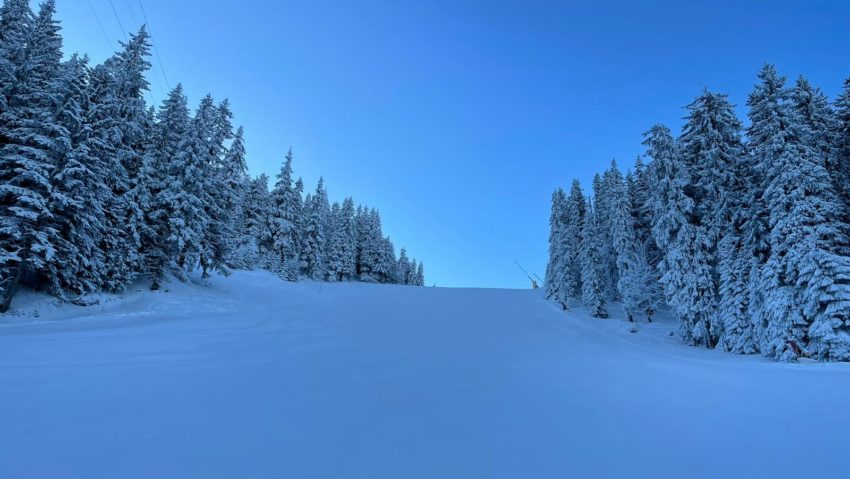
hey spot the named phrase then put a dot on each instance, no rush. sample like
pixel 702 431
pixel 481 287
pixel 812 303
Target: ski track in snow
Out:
pixel 253 377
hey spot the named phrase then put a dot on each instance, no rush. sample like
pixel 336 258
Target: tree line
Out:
pixel 98 189
pixel 744 232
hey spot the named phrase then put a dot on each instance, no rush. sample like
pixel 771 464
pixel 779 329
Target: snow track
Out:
pixel 253 377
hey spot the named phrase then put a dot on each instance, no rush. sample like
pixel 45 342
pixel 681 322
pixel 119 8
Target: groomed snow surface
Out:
pixel 249 377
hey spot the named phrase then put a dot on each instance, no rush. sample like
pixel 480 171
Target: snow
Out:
pixel 249 376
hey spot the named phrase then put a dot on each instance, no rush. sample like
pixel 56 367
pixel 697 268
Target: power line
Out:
pixel 155 49
pixel 100 24
pixel 119 20
pixel 130 8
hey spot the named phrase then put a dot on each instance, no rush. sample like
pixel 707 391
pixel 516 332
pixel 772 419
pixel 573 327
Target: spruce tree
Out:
pixel 839 165
pixel 29 133
pixel 236 185
pixel 256 214
pixel 285 203
pixel 386 267
pixel 592 268
pixel 686 276
pixel 553 283
pixel 573 217
pixel 635 281
pixel 342 248
pixel 420 275
pixel 712 151
pixel 79 189
pixel 403 268
pixel 118 86
pixel 806 295
pixel 314 241
pixel 169 132
pixel 16 21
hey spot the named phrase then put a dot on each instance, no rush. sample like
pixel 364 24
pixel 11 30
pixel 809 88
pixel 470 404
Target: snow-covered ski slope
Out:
pixel 253 377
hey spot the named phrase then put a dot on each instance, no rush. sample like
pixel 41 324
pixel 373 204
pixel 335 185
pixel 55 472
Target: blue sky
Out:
pixel 457 119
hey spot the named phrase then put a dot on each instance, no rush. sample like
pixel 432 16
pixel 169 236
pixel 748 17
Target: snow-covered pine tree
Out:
pixel 117 89
pixel 712 151
pixel 361 230
pixel 420 275
pixel 573 217
pixel 640 197
pixel 210 127
pixel 664 222
pixel 686 276
pixel 314 241
pixel 236 184
pixel 185 197
pixel 806 277
pixel 602 203
pixel 219 239
pixel 79 189
pixel 285 203
pixel 635 282
pixel 386 267
pixel 403 267
pixel 553 284
pixel 29 132
pixel 411 272
pixel 171 128
pixel 592 268
pixel 839 164
pixel 342 248
pixel 371 246
pixel 300 226
pixel 642 184
pixel 16 20
pixel 256 214
pixel 733 273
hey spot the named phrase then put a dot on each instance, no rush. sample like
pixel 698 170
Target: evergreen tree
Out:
pixel 806 297
pixel 256 214
pixel 573 217
pixel 386 267
pixel 553 284
pixel 79 189
pixel 592 268
pixel 602 202
pixel 371 247
pixel 285 202
pixel 342 248
pixel 686 276
pixel 839 164
pixel 712 151
pixel 420 275
pixel 635 281
pixel 300 226
pixel 403 268
pixel 117 96
pixel 411 273
pixel 16 21
pixel 185 198
pixel 236 186
pixel 314 241
pixel 218 241
pixel 29 132
pixel 169 133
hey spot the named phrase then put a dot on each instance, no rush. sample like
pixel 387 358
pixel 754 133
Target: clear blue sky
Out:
pixel 458 118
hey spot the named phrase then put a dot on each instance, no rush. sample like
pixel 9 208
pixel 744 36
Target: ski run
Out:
pixel 254 377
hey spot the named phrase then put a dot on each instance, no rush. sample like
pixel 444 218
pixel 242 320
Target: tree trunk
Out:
pixel 12 289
